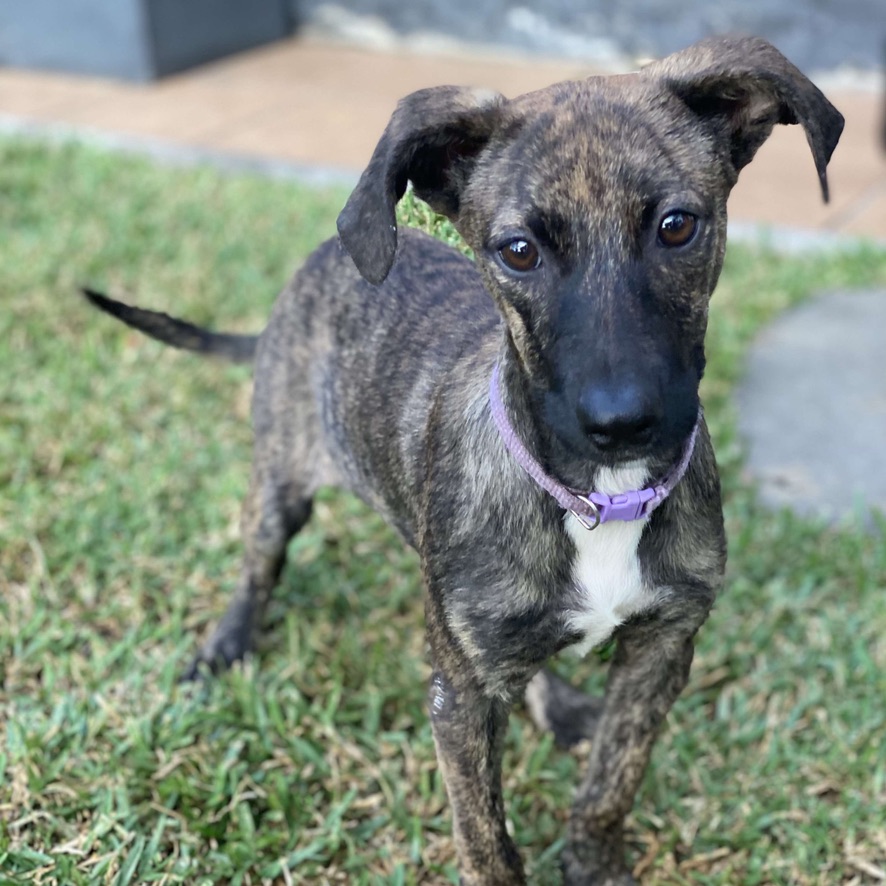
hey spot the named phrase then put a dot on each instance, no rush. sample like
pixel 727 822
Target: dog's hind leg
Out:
pixel 557 707
pixel 272 513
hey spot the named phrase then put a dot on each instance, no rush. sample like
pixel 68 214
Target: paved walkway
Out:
pixel 812 406
pixel 311 104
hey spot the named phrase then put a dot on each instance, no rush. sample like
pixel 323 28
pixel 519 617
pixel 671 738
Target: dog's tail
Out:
pixel 175 332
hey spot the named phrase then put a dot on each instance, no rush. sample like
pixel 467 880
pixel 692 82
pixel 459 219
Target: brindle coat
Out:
pixel 373 374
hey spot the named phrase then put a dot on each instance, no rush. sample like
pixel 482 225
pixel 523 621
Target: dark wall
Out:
pixel 815 34
pixel 84 36
pixel 134 39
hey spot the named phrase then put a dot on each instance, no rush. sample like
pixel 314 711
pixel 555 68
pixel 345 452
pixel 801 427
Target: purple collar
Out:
pixel 592 508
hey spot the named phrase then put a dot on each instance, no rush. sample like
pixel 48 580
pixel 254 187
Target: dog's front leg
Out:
pixel 469 729
pixel 469 733
pixel 648 672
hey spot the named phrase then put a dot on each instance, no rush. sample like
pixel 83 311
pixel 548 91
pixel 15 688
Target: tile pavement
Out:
pixel 315 104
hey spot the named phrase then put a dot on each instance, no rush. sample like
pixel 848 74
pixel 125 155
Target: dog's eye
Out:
pixel 520 255
pixel 677 229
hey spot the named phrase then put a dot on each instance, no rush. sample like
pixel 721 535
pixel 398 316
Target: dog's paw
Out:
pixel 201 667
pixel 230 642
pixel 597 878
pixel 213 660
pixel 596 862
pixel 556 706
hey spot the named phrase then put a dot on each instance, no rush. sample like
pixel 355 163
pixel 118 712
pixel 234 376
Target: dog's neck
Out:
pixel 590 508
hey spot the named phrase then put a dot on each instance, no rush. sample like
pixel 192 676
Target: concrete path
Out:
pixel 812 407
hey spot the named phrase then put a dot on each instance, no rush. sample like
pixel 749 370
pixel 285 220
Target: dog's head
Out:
pixel 597 214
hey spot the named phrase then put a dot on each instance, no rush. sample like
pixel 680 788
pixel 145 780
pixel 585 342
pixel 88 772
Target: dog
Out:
pixel 528 421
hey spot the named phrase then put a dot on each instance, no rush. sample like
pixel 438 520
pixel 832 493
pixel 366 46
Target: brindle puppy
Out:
pixel 597 214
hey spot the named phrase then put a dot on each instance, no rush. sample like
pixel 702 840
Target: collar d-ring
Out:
pixel 589 523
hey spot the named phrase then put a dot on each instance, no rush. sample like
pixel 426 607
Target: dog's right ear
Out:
pixel 432 140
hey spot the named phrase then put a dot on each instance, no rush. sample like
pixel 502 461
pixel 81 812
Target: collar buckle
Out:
pixel 630 505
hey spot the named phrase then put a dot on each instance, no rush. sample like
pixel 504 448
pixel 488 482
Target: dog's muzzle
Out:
pixel 591 509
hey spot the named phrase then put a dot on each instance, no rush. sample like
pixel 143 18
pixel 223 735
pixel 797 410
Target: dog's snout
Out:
pixel 618 415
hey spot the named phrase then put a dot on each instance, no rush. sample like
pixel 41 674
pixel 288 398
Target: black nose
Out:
pixel 618 415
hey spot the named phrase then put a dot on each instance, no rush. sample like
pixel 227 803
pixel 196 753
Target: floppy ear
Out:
pixel 746 86
pixel 432 140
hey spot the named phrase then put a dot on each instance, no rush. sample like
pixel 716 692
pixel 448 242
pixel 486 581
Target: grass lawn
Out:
pixel 121 469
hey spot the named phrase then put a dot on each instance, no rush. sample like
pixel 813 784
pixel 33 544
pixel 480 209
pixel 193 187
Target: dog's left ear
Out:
pixel 745 85
pixel 432 140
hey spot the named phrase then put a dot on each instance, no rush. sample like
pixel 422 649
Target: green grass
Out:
pixel 121 468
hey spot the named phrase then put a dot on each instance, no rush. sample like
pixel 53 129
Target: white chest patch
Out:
pixel 609 583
